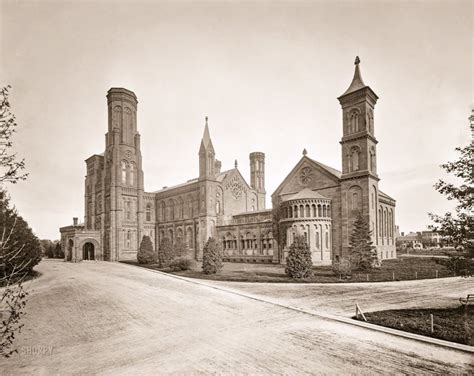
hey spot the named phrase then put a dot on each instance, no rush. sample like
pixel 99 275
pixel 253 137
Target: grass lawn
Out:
pixel 432 252
pixel 397 269
pixel 451 324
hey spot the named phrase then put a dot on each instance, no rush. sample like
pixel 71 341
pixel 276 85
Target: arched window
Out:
pixel 296 211
pixel 355 201
pixel 327 240
pixel 328 211
pixel 290 212
pixel 189 238
pixel 319 210
pixel 301 211
pixel 148 212
pixel 353 121
pixel 129 239
pixel 163 211
pixel 218 207
pixel 308 212
pixel 314 210
pixel 354 159
pixel 171 235
pixel 317 240
pixel 324 210
pixel 131 177
pixel 124 168
pixel 372 159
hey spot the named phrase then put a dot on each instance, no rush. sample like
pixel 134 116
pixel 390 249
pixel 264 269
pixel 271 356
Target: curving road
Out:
pixel 114 319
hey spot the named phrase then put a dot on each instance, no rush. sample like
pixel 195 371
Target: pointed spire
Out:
pixel 357 82
pixel 305 151
pixel 206 138
pixel 235 163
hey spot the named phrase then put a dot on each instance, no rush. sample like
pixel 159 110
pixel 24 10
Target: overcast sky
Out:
pixel 267 74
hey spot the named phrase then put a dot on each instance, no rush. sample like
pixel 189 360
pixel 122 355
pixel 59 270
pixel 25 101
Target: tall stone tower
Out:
pixel 207 191
pixel 123 182
pixel 257 176
pixel 359 184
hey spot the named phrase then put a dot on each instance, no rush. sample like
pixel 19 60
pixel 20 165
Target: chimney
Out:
pixel 74 221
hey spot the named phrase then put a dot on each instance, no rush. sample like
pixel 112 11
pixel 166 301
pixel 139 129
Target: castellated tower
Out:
pixel 123 178
pixel 257 176
pixel 359 180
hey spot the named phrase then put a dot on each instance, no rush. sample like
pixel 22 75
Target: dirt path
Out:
pixel 113 319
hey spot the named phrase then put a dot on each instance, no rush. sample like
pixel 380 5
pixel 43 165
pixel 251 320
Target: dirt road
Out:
pixel 114 319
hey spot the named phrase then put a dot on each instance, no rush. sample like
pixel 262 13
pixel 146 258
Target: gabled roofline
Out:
pixel 325 169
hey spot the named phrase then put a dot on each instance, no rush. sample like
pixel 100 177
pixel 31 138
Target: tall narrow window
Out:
pixel 354 161
pixel 148 212
pixel 131 178
pixel 355 200
pixel 124 172
pixel 128 210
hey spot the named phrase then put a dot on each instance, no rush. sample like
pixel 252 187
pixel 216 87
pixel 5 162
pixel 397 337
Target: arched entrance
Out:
pixel 70 245
pixel 88 251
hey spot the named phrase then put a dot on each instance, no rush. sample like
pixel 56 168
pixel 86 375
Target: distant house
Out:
pixel 410 240
pixel 419 240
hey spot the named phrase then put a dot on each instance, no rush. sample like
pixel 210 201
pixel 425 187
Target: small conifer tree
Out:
pixel 363 254
pixel 145 254
pixel 165 253
pixel 212 257
pixel 298 262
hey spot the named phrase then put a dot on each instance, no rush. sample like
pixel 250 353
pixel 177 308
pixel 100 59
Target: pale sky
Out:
pixel 267 74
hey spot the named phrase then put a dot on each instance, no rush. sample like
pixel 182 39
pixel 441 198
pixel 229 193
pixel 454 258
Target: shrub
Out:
pixel 180 264
pixel 165 253
pixel 298 261
pixel 342 268
pixel 212 257
pixel 458 265
pixel 145 254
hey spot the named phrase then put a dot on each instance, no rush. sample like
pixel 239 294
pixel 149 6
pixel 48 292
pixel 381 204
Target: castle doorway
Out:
pixel 88 251
pixel 70 244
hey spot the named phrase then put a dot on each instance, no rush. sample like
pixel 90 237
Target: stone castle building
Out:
pixel 315 200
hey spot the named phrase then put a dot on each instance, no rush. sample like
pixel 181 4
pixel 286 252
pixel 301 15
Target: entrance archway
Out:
pixel 70 244
pixel 88 251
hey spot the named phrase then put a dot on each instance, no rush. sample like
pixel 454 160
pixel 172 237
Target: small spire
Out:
pixel 206 137
pixel 305 151
pixel 357 82
pixel 235 163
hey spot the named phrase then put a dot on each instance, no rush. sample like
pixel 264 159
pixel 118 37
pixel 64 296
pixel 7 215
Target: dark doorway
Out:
pixel 88 251
pixel 70 244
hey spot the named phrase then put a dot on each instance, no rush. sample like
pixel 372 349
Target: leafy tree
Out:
pixel 298 262
pixel 20 250
pixel 145 254
pixel 11 169
pixel 458 228
pixel 58 251
pixel 50 252
pixel 20 237
pixel 363 255
pixel 212 257
pixel 165 253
